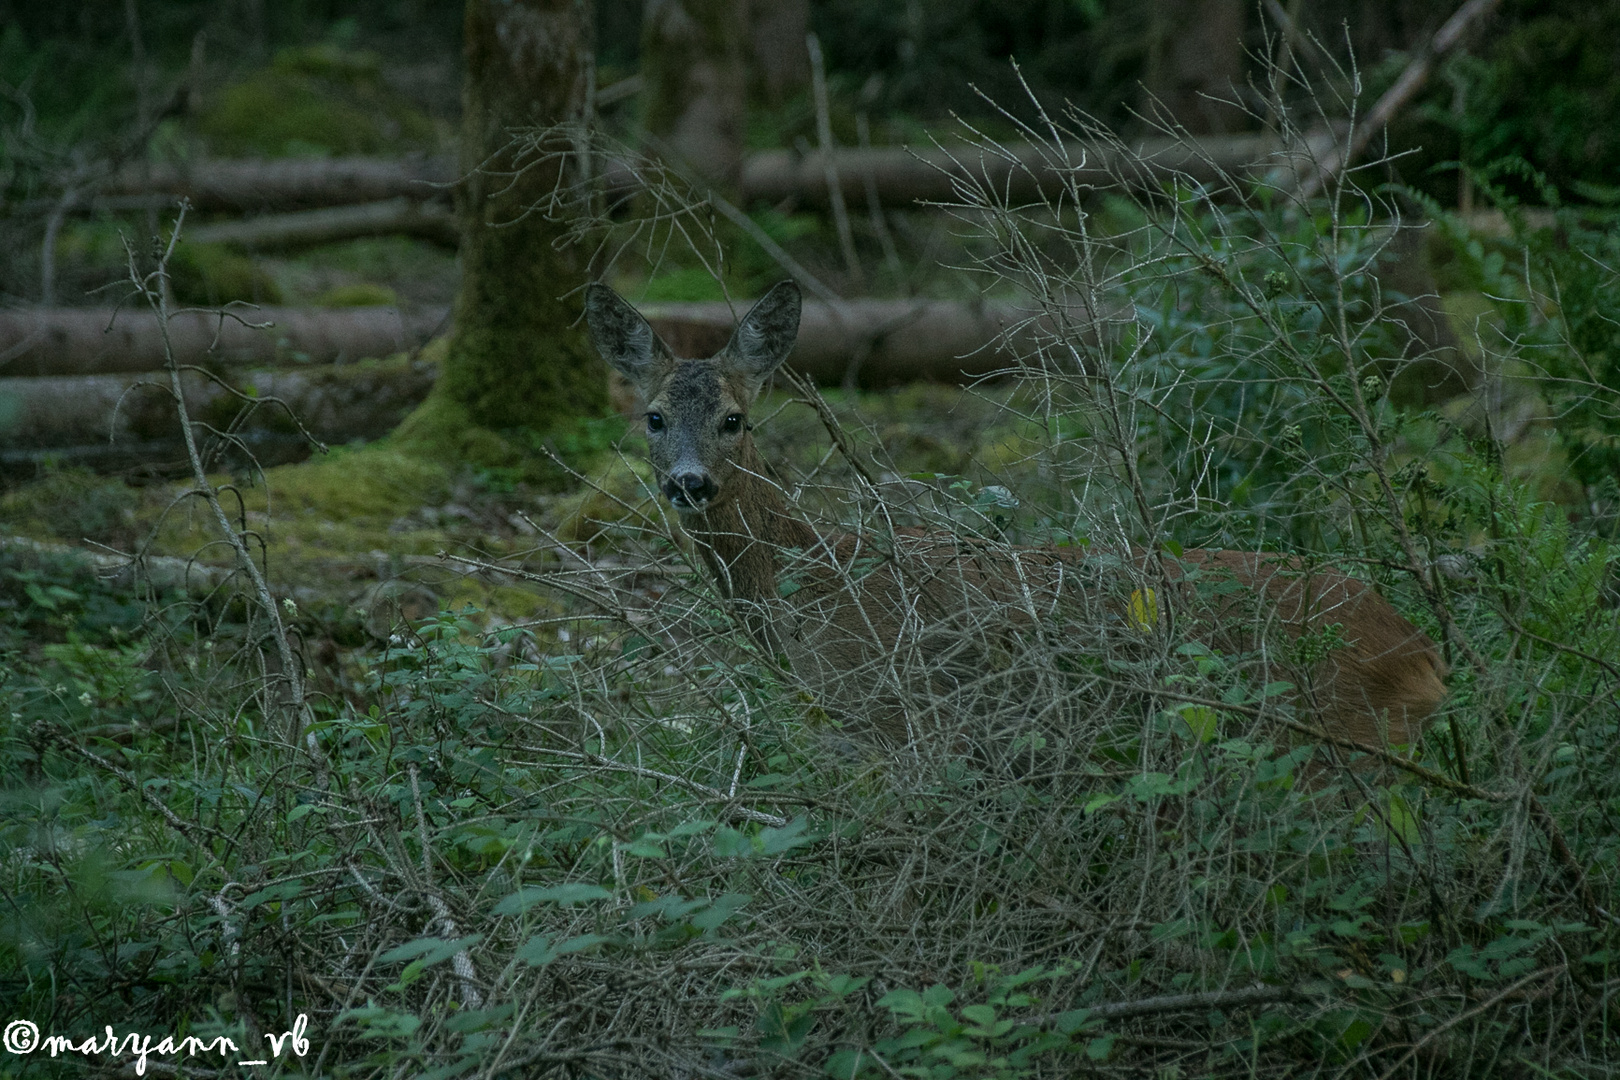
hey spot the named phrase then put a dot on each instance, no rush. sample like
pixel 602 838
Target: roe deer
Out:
pixel 893 633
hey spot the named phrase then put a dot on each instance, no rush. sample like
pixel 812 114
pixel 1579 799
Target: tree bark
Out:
pixel 692 57
pixel 518 357
pixel 888 341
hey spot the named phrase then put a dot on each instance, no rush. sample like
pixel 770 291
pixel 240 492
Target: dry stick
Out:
pixel 609 765
pixel 1211 999
pixel 184 828
pixel 1460 1017
pixel 298 707
pixel 47 250
pixel 812 397
pixel 874 203
pixel 751 227
pixel 1396 97
pixel 461 962
pixel 824 135
pixel 1426 775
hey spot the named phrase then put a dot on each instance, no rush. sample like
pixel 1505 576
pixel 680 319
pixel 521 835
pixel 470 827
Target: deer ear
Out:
pixel 622 336
pixel 765 336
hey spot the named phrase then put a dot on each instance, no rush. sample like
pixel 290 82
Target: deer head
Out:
pixel 697 410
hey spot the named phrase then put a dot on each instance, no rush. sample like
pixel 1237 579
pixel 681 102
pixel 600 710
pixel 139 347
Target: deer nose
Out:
pixel 690 488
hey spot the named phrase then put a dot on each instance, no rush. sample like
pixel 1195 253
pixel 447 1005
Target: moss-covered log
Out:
pixel 517 359
pixel 125 420
pixel 99 341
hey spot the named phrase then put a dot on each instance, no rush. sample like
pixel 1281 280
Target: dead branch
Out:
pixel 304 228
pixel 1398 96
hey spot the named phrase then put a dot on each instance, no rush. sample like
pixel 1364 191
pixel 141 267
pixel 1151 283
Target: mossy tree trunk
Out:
pixel 517 359
pixel 693 57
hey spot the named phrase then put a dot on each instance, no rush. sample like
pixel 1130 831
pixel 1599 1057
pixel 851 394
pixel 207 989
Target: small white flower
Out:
pixel 291 608
pixel 85 699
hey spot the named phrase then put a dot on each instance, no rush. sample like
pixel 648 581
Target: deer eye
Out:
pixel 655 421
pixel 732 425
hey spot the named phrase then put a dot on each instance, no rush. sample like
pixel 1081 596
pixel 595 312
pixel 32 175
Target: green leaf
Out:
pixel 690 828
pixel 718 912
pixel 539 951
pixel 788 837
pixel 429 950
pixel 1200 720
pixel 571 893
pixel 979 1014
pixel 1403 819
pixel 1072 1021
pixel 1097 802
pixel 1098 1049
pixel 904 1003
pixel 377 1022
pixel 844 985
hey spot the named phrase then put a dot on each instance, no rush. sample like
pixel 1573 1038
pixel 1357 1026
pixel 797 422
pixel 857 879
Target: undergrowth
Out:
pixel 617 840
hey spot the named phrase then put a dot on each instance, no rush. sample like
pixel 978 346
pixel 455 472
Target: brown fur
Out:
pixel 893 633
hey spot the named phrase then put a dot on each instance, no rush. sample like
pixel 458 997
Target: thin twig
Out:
pixel 1441 1029
pixel 835 190
pixel 1396 97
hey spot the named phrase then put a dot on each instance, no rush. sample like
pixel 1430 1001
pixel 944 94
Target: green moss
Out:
pixel 210 274
pixel 359 294
pixel 71 504
pixel 442 428
pixel 684 284
pixel 315 101
pixel 621 491
pixel 519 358
pixel 380 480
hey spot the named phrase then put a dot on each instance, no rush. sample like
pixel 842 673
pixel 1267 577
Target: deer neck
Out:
pixel 741 534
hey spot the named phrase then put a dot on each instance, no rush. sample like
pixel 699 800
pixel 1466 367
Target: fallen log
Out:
pixel 125 419
pixel 1413 78
pixel 245 184
pixel 118 417
pixel 305 228
pixel 901 176
pixel 866 343
pixel 1020 171
pixel 872 342
pixel 91 341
